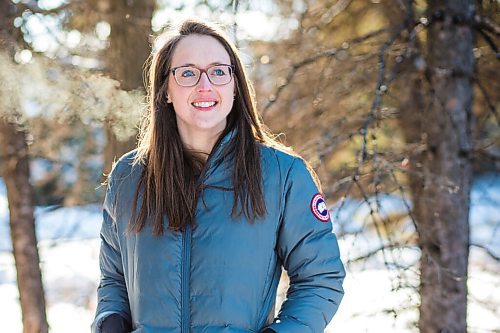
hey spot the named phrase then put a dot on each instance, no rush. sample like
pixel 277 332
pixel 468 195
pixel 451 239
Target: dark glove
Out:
pixel 115 324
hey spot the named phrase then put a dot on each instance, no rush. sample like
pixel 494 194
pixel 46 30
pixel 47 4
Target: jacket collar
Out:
pixel 216 158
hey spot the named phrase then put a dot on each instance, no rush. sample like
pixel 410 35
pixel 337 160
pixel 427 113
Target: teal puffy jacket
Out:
pixel 222 275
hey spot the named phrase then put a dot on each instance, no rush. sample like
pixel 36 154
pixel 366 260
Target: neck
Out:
pixel 200 143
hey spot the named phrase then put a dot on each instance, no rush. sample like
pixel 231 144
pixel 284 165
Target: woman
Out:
pixel 199 220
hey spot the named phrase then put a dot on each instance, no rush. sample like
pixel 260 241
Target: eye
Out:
pixel 187 72
pixel 219 71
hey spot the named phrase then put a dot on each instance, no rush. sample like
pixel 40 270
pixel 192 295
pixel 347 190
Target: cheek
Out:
pixel 228 101
pixel 177 96
pixel 229 94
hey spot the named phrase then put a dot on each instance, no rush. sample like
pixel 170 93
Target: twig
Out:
pixel 335 10
pixel 490 42
pixel 487 250
pixel 484 23
pixel 381 248
pixel 487 99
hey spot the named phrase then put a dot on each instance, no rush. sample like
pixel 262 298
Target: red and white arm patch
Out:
pixel 319 209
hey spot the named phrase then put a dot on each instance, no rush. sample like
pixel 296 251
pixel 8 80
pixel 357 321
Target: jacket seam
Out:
pixel 185 285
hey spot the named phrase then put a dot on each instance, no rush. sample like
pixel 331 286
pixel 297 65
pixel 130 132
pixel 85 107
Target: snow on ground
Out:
pixel 70 275
pixel 370 302
pixel 376 300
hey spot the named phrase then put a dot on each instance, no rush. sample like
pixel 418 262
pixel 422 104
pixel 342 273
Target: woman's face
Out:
pixel 202 108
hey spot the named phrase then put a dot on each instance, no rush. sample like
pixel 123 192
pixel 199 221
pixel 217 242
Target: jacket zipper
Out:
pixel 186 259
pixel 185 293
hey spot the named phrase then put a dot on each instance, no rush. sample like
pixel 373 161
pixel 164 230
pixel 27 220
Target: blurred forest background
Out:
pixel 394 102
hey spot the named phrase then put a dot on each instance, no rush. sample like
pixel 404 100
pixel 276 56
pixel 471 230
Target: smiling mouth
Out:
pixel 204 106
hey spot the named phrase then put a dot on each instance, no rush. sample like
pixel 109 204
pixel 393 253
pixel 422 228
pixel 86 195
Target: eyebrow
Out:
pixel 211 64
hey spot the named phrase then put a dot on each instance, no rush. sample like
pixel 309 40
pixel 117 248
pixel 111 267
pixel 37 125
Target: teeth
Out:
pixel 204 104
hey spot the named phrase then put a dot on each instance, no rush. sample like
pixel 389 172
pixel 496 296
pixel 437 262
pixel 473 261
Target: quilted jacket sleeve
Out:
pixel 112 291
pixel 310 254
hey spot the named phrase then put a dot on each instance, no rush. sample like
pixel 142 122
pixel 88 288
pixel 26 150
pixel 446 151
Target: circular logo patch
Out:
pixel 319 209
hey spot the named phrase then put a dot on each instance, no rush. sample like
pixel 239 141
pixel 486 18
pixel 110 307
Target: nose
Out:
pixel 204 84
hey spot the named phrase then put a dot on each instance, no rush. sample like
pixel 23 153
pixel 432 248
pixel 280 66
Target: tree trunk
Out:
pixel 442 203
pixel 128 50
pixel 22 227
pixel 16 173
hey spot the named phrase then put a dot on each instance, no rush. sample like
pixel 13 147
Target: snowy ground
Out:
pixel 69 249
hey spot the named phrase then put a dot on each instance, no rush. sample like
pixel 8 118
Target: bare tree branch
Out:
pixel 490 42
pixel 335 10
pixel 382 248
pixel 485 23
pixel 374 220
pixel 488 101
pixel 409 210
pixel 380 88
pixel 314 58
pixel 487 250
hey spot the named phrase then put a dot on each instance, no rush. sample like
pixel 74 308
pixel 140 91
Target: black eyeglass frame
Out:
pixel 202 70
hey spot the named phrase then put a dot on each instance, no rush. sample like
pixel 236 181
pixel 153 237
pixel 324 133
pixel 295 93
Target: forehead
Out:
pixel 199 50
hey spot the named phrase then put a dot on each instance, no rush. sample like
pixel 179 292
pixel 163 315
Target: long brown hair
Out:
pixel 169 176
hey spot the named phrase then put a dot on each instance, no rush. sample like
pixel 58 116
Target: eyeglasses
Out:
pixel 189 76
